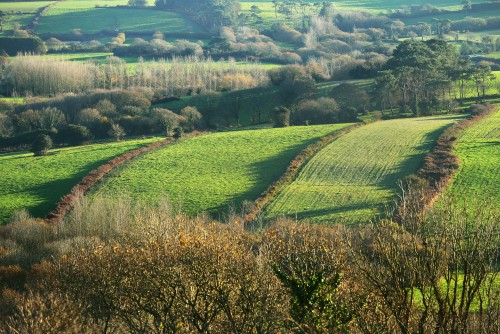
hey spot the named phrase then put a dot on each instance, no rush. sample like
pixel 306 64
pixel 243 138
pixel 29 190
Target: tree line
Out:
pixel 31 75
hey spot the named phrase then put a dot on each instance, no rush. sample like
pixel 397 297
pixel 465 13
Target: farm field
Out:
pixel 19 12
pixel 212 172
pixel 356 176
pixel 478 149
pixel 367 5
pixel 69 15
pixel 37 183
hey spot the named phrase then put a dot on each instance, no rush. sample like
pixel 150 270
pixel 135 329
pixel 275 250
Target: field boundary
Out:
pixel 437 170
pixel 292 171
pixel 67 202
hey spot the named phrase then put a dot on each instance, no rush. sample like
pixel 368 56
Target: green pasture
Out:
pixel 19 12
pixel 37 183
pixel 13 100
pixel 367 5
pixel 356 177
pixel 478 149
pixel 455 16
pixel 212 172
pixel 494 55
pixel 68 15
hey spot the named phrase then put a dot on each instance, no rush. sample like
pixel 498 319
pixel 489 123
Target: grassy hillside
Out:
pixel 478 149
pixel 21 13
pixel 83 15
pixel 209 173
pixel 37 183
pixel 353 178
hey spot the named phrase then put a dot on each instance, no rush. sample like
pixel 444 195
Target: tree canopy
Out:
pixel 211 14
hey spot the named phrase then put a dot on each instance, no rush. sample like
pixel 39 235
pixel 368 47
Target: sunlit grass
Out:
pixel 37 183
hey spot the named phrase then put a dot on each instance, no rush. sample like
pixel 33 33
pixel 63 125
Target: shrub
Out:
pixel 106 108
pixel 178 133
pixel 321 111
pixel 477 109
pixel 15 45
pixel 193 118
pixel 281 117
pixel 75 135
pixel 116 131
pixel 41 145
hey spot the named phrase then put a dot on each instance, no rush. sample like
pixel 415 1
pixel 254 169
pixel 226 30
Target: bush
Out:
pixel 477 109
pixel 321 111
pixel 193 118
pixel 41 145
pixel 281 117
pixel 75 135
pixel 15 45
pixel 116 131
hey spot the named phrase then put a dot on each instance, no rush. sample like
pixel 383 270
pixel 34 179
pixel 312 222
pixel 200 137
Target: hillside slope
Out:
pixel 353 178
pixel 212 172
pixel 478 150
pixel 37 183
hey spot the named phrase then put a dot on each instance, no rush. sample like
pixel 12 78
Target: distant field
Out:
pixel 83 15
pixel 451 16
pixel 37 183
pixel 353 178
pixel 368 5
pixel 19 12
pixel 494 55
pixel 478 149
pixel 212 172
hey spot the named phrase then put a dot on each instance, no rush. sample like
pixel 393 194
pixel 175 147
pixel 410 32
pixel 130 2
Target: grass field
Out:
pixel 478 148
pixel 83 15
pixel 212 172
pixel 353 178
pixel 19 12
pixel 37 183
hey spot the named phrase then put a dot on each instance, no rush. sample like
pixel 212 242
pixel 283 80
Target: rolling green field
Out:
pixel 37 183
pixel 19 12
pixel 367 5
pixel 353 178
pixel 212 172
pixel 478 148
pixel 83 15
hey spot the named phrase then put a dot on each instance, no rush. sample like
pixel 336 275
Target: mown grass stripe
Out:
pixel 353 178
pixel 212 172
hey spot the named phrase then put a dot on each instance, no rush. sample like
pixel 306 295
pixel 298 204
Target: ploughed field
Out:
pixel 37 183
pixel 355 177
pixel 213 172
pixel 478 177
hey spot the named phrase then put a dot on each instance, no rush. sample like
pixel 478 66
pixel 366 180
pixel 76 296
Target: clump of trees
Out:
pixel 211 14
pixel 77 119
pixel 154 270
pixel 31 75
pixel 423 76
